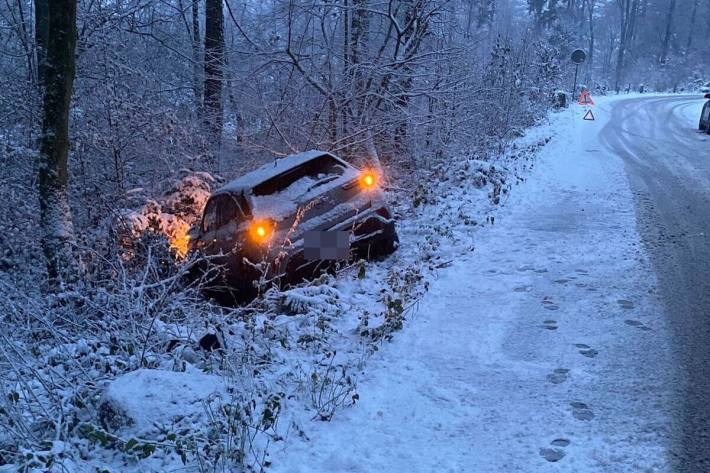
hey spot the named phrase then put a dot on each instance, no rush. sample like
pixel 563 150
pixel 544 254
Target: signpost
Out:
pixel 578 57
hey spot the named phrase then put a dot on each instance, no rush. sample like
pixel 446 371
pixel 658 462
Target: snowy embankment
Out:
pixel 149 377
pixel 523 350
pixel 542 350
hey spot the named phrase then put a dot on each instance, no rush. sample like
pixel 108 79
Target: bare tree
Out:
pixel 214 68
pixel 589 5
pixel 57 36
pixel 663 57
pixel 192 26
pixel 628 11
pixel 359 35
pixel 691 28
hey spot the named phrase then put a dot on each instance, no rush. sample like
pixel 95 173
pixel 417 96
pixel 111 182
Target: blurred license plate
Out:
pixel 326 245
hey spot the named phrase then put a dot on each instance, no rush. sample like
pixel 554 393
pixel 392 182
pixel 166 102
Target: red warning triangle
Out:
pixel 588 116
pixel 585 98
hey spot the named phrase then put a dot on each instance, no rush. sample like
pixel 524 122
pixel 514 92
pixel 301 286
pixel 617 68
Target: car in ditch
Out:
pixel 289 220
pixel 704 124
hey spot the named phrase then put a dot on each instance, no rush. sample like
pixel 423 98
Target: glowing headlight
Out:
pixel 261 231
pixel 368 180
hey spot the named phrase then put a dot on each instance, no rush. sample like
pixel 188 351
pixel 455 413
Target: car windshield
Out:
pixel 223 209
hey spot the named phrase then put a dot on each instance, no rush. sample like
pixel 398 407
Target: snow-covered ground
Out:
pixel 517 328
pixel 542 350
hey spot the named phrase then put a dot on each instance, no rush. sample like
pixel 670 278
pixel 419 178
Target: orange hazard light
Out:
pixel 368 180
pixel 261 231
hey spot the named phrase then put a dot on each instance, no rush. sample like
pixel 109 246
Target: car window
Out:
pixel 209 216
pixel 226 211
pixel 320 170
pixel 221 210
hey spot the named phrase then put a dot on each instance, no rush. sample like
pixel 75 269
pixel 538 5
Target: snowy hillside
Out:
pixel 295 236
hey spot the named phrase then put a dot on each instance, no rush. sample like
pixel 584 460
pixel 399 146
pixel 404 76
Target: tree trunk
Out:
pixel 57 79
pixel 214 69
pixel 196 86
pixel 486 11
pixel 667 37
pixel 373 157
pixel 359 31
pixel 691 28
pixel 631 33
pixel 620 61
pixel 26 41
pixel 590 55
pixel 628 10
pixel 345 107
pixel 41 37
pixel 643 8
pixel 409 43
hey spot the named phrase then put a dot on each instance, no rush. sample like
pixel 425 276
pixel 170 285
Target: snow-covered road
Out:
pixel 668 164
pixel 546 349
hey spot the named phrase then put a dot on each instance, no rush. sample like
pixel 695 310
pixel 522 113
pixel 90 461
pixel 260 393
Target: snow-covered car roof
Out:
pixel 248 181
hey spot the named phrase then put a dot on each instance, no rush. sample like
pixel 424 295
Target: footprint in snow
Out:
pixel 555 452
pixel 558 376
pixel 549 304
pixel 638 324
pixel 586 350
pixel 562 281
pixel 581 411
pixel 624 304
pixel 521 289
pixel 549 324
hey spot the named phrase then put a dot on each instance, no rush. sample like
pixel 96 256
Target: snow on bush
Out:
pixel 172 215
pixel 302 300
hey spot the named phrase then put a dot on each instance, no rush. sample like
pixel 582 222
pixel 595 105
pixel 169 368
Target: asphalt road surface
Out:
pixel 668 165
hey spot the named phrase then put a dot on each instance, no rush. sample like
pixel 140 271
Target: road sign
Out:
pixel 589 116
pixel 585 99
pixel 579 56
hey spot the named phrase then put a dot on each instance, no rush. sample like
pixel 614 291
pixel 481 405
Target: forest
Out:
pixel 119 117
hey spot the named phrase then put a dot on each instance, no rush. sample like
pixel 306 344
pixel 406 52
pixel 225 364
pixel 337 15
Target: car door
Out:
pixel 220 224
